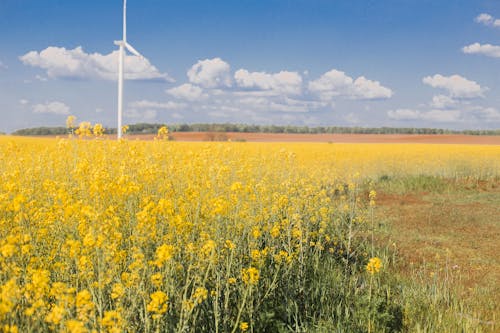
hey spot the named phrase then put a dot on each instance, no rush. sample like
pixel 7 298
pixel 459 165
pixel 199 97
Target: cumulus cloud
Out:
pixel 446 116
pixel 403 114
pixel 60 62
pixel 488 20
pixel 58 108
pixel 488 113
pixel 456 85
pixel 352 118
pixel 177 115
pixel 443 116
pixel 141 115
pixel 482 49
pixel 188 92
pixel 443 102
pixel 41 78
pixel 336 83
pixel 145 104
pixel 282 104
pixel 210 73
pixel 284 82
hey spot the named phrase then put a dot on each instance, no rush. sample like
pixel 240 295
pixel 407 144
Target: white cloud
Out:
pixel 352 118
pixel 60 62
pixel 484 18
pixel 336 83
pixel 141 115
pixel 489 114
pixel 218 114
pixel 488 20
pixel 145 104
pixel 41 78
pixel 483 49
pixel 443 102
pixel 403 114
pixel 456 85
pixel 210 73
pixel 281 104
pixel 188 92
pixel 284 82
pixel 176 115
pixel 58 108
pixel 446 116
pixel 3 66
pixel 24 102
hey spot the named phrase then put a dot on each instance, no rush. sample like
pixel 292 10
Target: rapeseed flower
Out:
pixel 374 265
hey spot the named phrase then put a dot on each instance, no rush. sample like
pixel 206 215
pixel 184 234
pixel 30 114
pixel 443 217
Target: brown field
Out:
pixel 336 138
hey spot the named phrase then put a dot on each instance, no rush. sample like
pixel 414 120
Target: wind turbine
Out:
pixel 123 45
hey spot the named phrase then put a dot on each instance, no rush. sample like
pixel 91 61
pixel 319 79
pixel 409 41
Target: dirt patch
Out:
pixel 387 200
pixel 446 236
pixel 334 138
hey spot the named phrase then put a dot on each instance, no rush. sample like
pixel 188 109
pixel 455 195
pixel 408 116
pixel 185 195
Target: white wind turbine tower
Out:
pixel 123 45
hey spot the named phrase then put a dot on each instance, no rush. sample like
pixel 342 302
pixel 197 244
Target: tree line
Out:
pixel 148 128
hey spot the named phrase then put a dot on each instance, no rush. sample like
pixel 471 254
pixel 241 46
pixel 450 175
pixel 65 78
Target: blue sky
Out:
pixel 402 63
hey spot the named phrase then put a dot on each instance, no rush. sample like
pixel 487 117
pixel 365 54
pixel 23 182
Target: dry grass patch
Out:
pixel 454 235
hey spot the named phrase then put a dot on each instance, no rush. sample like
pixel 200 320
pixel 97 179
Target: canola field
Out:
pixel 131 236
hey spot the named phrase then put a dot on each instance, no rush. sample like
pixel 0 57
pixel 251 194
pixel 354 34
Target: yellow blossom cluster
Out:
pixel 374 265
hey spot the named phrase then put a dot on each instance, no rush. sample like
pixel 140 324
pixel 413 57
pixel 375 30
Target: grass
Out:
pixel 445 237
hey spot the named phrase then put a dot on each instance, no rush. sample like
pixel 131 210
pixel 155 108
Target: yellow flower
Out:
pixel 84 305
pixel 243 326
pixel 163 133
pixel 256 233
pixel 125 129
pixel 255 254
pixel 9 294
pixel 156 279
pixel 75 326
pixel 98 130
pixel 230 245
pixel 200 295
pixel 117 291
pixel 84 129
pixel 112 322
pixel 372 197
pixel 163 254
pixel 9 329
pixel 158 304
pixel 70 121
pixel 250 275
pixel 275 231
pixel 374 265
pixel 55 315
pixel 7 250
pixel 208 248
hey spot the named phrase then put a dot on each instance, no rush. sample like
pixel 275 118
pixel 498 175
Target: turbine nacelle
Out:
pixel 129 47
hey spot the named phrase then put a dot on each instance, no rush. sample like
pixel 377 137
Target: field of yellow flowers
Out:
pixel 114 236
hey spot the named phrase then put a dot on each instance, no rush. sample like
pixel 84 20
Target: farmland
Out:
pixel 240 236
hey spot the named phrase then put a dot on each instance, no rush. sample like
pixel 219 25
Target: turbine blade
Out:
pixel 133 51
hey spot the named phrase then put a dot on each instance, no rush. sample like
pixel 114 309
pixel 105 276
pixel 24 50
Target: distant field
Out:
pixel 340 138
